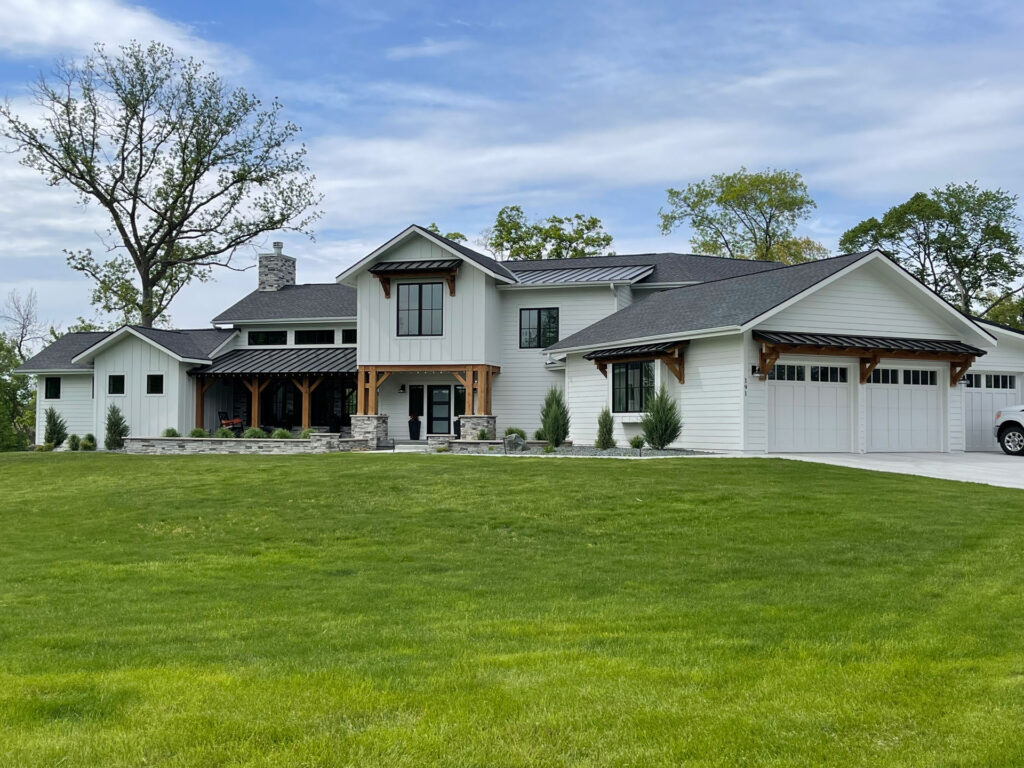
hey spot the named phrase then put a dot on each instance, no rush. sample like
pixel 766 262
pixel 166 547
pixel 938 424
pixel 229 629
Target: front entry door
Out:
pixel 439 410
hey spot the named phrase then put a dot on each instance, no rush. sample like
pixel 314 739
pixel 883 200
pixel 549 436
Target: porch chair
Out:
pixel 235 424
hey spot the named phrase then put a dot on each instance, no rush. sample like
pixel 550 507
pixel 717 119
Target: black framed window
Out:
pixel 786 373
pixel 1000 381
pixel 538 328
pixel 632 386
pixel 51 388
pixel 415 400
pixel 115 384
pixel 828 374
pixel 318 336
pixel 885 376
pixel 419 309
pixel 268 338
pixel 155 384
pixel 348 335
pixel 920 378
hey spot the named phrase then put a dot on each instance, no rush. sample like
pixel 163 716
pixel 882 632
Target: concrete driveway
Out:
pixel 988 468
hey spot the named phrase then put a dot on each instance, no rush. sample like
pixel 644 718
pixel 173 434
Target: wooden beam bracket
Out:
pixel 867 367
pixel 958 368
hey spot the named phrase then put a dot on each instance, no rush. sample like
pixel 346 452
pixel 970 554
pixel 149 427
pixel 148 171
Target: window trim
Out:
pixel 46 387
pixel 355 335
pixel 162 391
pixel 124 385
pixel 643 398
pixel 419 310
pixel 540 340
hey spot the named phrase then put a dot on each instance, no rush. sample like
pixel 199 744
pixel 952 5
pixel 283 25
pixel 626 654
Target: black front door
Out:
pixel 439 410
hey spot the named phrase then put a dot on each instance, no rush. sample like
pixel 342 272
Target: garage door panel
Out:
pixel 809 417
pixel 903 417
pixel 984 395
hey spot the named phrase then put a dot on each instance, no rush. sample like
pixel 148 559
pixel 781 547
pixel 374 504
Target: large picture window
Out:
pixel 538 328
pixel 632 386
pixel 419 309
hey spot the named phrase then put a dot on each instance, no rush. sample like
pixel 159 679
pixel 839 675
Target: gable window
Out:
pixel 348 335
pixel 324 336
pixel 632 386
pixel 828 374
pixel 115 384
pixel 538 328
pixel 885 376
pixel 920 378
pixel 972 380
pixel 52 388
pixel 155 384
pixel 268 338
pixel 786 373
pixel 1000 381
pixel 419 309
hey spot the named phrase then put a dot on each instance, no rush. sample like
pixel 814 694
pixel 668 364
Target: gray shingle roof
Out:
pixel 283 362
pixel 722 303
pixel 668 267
pixel 58 355
pixel 487 262
pixel 194 343
pixel 293 302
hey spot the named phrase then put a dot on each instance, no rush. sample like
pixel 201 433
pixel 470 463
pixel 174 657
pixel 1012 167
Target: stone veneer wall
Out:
pixel 319 443
pixel 371 428
pixel 471 426
pixel 275 270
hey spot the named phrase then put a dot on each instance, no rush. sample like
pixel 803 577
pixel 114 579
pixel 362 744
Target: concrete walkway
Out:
pixel 987 468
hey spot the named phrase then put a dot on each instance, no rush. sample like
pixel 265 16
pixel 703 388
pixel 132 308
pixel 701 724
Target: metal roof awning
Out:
pixel 869 343
pixel 668 352
pixel 281 362
pixel 403 267
pixel 621 274
pixel 634 351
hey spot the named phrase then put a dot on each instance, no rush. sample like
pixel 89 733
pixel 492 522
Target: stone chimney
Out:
pixel 276 270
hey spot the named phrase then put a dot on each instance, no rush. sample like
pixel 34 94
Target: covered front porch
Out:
pixel 278 389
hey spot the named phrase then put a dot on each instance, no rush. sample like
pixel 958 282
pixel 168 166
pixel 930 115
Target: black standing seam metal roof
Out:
pixel 310 301
pixel 282 362
pixel 668 267
pixel 423 265
pixel 892 343
pixel 486 262
pixel 638 349
pixel 624 274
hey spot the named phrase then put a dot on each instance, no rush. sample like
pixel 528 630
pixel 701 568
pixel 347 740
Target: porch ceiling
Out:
pixel 282 362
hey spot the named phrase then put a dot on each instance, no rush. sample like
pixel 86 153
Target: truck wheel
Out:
pixel 1011 440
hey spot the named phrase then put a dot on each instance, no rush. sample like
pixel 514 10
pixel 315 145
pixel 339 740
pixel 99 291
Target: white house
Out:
pixel 849 354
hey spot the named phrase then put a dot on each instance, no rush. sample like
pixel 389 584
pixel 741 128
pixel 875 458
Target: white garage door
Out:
pixel 809 409
pixel 984 394
pixel 904 410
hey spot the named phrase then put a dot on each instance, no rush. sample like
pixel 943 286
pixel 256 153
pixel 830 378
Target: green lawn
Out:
pixel 471 611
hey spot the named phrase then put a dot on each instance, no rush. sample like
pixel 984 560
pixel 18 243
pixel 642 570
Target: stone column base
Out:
pixel 471 426
pixel 370 428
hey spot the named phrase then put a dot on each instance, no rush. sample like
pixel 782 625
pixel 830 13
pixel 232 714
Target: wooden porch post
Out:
pixel 202 384
pixel 485 390
pixel 255 389
pixel 307 391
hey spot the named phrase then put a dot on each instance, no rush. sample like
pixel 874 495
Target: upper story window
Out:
pixel 632 386
pixel 155 384
pixel 115 384
pixel 419 309
pixel 268 338
pixel 319 336
pixel 52 388
pixel 348 335
pixel 538 328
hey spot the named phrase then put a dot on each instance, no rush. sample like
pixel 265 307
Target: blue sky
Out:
pixel 420 112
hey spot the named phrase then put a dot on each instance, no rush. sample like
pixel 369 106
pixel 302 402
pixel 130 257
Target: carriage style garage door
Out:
pixel 904 410
pixel 984 394
pixel 809 409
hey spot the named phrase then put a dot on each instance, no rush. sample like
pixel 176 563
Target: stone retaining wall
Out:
pixel 322 442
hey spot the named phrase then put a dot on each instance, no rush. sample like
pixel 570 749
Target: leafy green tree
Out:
pixel 661 423
pixel 554 417
pixel 745 215
pixel 56 429
pixel 458 237
pixel 1007 312
pixel 187 170
pixel 17 400
pixel 959 240
pixel 117 429
pixel 514 237
pixel 605 426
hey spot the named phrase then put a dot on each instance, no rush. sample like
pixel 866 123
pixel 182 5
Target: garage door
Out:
pixel 984 394
pixel 809 409
pixel 904 410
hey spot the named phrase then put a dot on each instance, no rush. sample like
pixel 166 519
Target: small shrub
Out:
pixel 515 431
pixel 549 448
pixel 46 447
pixel 56 431
pixel 198 432
pixel 281 434
pixel 661 423
pixel 442 449
pixel 554 417
pixel 483 434
pixel 170 432
pixel 307 433
pixel 538 435
pixel 637 442
pixel 117 429
pixel 254 433
pixel 89 442
pixel 224 432
pixel 605 425
pixel 74 442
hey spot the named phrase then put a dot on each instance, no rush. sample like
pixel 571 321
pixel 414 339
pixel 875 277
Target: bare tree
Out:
pixel 20 318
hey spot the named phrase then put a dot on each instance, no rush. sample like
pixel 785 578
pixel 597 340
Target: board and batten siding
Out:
pixel 520 388
pixel 147 415
pixel 75 404
pixel 466 316
pixel 869 300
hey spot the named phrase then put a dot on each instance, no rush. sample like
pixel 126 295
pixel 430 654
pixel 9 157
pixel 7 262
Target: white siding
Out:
pixel 242 339
pixel 870 300
pixel 396 404
pixel 1006 357
pixel 147 415
pixel 711 400
pixel 587 392
pixel 75 404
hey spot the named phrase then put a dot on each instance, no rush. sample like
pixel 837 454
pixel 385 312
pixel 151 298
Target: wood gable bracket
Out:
pixel 867 367
pixel 957 369
pixel 449 276
pixel 672 358
pixel 767 357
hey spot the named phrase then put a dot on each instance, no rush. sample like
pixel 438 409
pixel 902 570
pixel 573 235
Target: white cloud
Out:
pixel 428 48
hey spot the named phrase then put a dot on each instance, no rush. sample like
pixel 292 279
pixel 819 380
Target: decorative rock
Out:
pixel 515 443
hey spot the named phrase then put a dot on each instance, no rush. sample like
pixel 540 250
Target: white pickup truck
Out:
pixel 1009 430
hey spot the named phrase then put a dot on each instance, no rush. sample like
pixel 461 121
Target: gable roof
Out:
pixel 58 355
pixel 188 345
pixel 728 303
pixel 667 267
pixel 999 326
pixel 310 301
